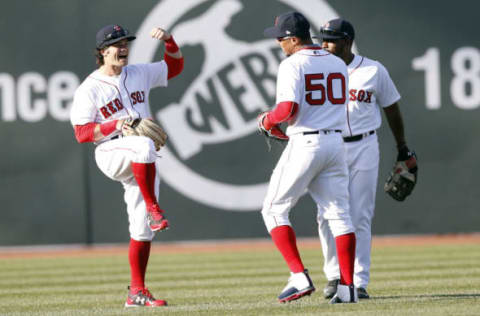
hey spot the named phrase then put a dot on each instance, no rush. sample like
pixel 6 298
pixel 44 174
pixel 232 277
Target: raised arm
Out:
pixel 173 55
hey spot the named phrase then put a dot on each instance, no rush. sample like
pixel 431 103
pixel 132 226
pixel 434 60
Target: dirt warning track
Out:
pixel 224 246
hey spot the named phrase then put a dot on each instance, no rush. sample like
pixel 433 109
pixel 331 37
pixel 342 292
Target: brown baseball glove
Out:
pixel 145 127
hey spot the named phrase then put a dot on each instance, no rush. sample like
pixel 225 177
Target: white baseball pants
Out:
pixel 363 161
pixel 114 159
pixel 314 163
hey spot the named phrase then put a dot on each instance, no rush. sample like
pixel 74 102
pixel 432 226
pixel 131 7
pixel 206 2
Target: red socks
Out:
pixel 286 242
pixel 139 251
pixel 138 254
pixel 144 173
pixel 346 257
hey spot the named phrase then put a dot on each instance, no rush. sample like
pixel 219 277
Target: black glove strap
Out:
pixel 404 153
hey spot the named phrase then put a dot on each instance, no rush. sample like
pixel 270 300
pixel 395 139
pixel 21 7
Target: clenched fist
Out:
pixel 160 34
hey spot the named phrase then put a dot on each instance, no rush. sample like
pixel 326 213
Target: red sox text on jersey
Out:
pixel 361 95
pixel 116 105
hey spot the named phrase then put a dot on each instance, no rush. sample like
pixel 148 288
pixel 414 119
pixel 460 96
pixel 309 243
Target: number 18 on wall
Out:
pixel 465 84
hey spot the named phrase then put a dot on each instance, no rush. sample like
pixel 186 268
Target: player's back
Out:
pixel 321 90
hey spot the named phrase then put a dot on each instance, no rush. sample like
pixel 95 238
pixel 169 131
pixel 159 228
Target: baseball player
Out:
pixel 370 89
pixel 108 97
pixel 311 96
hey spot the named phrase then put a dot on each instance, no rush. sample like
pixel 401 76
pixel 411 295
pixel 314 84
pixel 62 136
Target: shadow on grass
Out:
pixel 461 295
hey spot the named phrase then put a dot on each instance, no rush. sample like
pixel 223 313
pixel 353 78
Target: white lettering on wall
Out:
pixel 32 97
pixel 61 88
pixel 7 88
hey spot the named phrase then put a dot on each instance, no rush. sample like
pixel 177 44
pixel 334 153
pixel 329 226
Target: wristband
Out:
pixel 171 46
pixel 108 127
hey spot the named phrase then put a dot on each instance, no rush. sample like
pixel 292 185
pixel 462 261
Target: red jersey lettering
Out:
pixel 118 104
pixel 111 107
pixel 331 97
pixel 361 95
pixel 138 97
pixel 369 97
pixel 353 94
pixel 105 112
pixel 310 86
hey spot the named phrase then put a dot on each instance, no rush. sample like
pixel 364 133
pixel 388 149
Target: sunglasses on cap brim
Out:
pixel 333 34
pixel 280 39
pixel 116 34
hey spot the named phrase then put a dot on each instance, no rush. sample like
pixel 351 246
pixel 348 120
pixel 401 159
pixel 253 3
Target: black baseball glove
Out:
pixel 403 177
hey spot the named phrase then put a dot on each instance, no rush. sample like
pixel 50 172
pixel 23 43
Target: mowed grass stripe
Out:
pixel 173 263
pixel 405 281
pixel 162 283
pixel 216 271
pixel 169 262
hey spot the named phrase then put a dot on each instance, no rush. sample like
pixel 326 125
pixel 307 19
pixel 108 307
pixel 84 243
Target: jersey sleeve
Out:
pixel 83 109
pixel 288 83
pixel 387 93
pixel 156 73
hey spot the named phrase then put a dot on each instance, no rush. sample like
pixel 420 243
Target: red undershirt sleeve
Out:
pixel 86 133
pixel 171 46
pixel 284 111
pixel 175 65
pixel 108 127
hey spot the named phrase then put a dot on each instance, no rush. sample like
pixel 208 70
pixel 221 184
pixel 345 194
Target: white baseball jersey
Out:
pixel 312 162
pixel 370 87
pixel 317 81
pixel 102 98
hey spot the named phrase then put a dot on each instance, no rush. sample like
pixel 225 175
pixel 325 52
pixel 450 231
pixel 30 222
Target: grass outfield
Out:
pixel 406 280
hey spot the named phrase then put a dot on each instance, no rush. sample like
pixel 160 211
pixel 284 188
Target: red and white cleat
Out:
pixel 299 285
pixel 142 297
pixel 156 218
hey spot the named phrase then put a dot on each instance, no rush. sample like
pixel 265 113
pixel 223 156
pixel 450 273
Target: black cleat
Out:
pixel 362 293
pixel 330 289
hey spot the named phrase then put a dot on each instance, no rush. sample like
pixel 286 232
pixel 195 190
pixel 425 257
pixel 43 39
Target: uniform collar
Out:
pixel 100 76
pixel 313 50
pixel 356 61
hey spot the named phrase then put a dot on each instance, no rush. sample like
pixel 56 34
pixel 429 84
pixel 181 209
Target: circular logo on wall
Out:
pixel 231 72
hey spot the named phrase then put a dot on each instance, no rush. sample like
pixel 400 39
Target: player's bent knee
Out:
pixel 146 235
pixel 341 226
pixel 320 219
pixel 145 150
pixel 274 220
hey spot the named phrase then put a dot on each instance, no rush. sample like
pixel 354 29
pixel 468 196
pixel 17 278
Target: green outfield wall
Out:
pixel 216 166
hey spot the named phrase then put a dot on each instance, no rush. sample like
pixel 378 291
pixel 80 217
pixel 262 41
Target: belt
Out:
pixel 358 137
pixel 323 131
